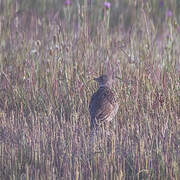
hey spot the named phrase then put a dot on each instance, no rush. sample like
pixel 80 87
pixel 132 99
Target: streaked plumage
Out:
pixel 103 105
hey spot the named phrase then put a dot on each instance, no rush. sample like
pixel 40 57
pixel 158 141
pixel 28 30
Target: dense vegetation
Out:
pixel 49 53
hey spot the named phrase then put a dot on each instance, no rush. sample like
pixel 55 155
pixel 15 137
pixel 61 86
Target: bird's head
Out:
pixel 104 80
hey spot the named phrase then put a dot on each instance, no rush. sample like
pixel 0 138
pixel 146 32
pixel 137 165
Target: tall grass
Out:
pixel 46 68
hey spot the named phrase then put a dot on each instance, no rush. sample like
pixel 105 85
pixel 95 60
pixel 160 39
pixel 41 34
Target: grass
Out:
pixel 46 68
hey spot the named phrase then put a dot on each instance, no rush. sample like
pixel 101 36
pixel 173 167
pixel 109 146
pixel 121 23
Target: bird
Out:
pixel 103 105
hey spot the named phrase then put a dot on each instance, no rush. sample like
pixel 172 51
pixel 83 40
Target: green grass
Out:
pixel 46 68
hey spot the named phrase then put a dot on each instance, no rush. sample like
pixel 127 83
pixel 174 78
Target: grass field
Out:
pixel 48 59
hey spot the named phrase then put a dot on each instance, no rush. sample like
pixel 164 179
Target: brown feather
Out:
pixel 103 106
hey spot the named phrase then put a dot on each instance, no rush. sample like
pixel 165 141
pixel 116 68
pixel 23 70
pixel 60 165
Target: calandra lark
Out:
pixel 103 105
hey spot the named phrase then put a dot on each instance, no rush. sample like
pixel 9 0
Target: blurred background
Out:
pixel 28 14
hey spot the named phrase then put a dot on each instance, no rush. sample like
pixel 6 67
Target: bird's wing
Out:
pixel 103 113
pixel 102 105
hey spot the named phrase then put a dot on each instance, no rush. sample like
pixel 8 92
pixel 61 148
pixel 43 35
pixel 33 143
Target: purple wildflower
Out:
pixel 169 13
pixel 107 5
pixel 67 2
pixel 161 4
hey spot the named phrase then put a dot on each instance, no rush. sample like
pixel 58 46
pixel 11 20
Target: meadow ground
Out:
pixel 47 63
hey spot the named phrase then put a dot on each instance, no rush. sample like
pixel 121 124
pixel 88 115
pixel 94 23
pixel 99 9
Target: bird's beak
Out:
pixel 118 77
